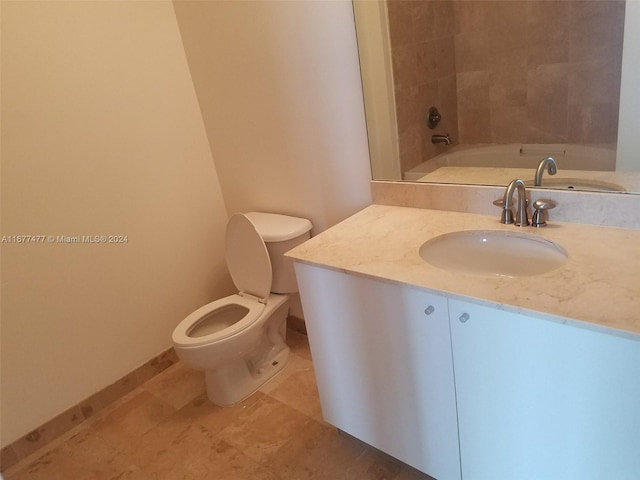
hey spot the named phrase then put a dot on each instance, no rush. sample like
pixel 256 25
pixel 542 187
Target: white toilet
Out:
pixel 239 340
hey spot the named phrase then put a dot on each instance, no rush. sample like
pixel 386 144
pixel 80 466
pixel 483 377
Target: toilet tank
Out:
pixel 280 234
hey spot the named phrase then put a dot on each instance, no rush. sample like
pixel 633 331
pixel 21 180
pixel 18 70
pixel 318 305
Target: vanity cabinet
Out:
pixel 382 358
pixel 462 391
pixel 543 400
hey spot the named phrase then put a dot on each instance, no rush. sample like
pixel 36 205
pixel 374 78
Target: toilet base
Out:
pixel 234 382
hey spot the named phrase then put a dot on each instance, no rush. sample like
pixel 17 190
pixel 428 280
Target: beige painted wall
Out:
pixel 101 135
pixel 280 93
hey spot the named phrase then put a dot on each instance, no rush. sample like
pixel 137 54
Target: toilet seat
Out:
pixel 247 258
pixel 250 268
pixel 182 334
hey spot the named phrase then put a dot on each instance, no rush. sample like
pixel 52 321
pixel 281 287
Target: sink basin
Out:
pixel 578 184
pixel 493 253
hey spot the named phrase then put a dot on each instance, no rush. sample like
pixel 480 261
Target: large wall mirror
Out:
pixel 484 91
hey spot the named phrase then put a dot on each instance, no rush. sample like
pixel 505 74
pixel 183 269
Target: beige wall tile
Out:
pixel 400 14
pixel 423 22
pixel 474 126
pixel 508 124
pixel 471 16
pixel 410 139
pixel 508 88
pixel 426 62
pixel 547 124
pixel 405 67
pixel 505 26
pixel 547 24
pixel 548 85
pixel 445 56
pixel 596 29
pixel 472 51
pixel 447 96
pixel 595 82
pixel 444 18
pixel 505 56
pixel 592 123
pixel 473 89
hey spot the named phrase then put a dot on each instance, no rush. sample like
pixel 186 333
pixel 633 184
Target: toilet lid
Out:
pixel 247 257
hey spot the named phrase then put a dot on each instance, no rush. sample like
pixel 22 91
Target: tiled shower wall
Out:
pixel 515 71
pixel 424 74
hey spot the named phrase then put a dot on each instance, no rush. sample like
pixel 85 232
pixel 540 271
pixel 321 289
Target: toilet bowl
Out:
pixel 239 340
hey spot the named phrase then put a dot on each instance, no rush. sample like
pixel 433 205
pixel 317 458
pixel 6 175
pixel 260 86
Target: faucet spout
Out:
pixel 521 219
pixel 550 164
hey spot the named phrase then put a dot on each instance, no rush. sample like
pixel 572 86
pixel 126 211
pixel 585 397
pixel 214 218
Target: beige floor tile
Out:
pixel 177 385
pixel 299 390
pixel 213 417
pixel 263 428
pixel 182 448
pixel 174 449
pixel 84 456
pixel 132 419
pixel 54 465
pixel 374 465
pixel 299 344
pixel 230 464
pixel 168 430
pixel 296 363
pixel 409 473
pixel 318 452
pixel 16 475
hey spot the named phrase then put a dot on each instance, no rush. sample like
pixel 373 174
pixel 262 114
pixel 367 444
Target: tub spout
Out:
pixel 550 164
pixel 441 139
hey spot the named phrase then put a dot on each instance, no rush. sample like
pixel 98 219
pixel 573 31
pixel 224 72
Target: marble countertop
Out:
pixel 597 288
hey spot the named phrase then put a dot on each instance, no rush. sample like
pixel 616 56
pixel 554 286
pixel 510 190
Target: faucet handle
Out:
pixel 544 204
pixel 537 220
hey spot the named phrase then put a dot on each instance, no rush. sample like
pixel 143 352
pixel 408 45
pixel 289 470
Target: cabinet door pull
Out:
pixel 429 310
pixel 464 317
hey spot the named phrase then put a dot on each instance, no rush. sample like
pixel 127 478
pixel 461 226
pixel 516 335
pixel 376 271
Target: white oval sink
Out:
pixel 493 253
pixel 578 184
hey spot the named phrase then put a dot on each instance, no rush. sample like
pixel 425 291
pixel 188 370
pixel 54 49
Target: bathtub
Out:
pixel 517 155
pixel 579 167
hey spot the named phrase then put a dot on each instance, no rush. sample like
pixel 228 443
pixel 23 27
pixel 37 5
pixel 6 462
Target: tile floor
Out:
pixel 167 430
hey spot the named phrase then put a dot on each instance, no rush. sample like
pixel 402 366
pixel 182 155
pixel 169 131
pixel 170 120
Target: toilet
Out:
pixel 239 340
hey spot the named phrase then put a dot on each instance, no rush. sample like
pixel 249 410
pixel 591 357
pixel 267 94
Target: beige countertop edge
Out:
pixel 598 288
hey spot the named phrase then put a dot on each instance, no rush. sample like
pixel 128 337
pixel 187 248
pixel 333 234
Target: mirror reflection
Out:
pixel 482 92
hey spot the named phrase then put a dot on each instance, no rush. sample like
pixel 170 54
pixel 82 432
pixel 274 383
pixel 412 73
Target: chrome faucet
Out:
pixel 521 219
pixel 441 139
pixel 548 163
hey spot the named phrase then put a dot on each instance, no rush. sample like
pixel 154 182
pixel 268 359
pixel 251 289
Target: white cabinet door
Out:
pixel 384 366
pixel 539 400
